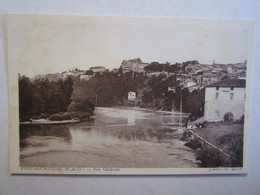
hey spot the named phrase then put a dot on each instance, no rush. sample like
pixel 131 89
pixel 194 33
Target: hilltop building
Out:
pixel 96 69
pixel 226 97
pixel 85 77
pixel 135 65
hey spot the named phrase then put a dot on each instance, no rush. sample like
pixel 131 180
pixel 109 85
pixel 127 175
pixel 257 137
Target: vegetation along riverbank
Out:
pixel 218 144
pixel 53 101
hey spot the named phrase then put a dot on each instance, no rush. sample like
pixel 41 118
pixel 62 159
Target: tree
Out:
pixel 89 72
pixel 154 67
pixel 43 97
pixel 147 95
pixel 81 106
pixel 25 97
pixel 184 96
pixel 67 90
pixel 195 102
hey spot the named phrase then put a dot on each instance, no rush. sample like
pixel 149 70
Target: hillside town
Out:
pixel 191 74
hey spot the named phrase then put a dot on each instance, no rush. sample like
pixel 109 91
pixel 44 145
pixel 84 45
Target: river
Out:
pixel 117 137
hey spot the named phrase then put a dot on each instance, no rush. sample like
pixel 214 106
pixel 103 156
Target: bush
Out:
pixel 60 117
pixel 240 120
pixel 80 115
pixel 210 157
pixel 234 146
pixel 70 116
pixel 78 106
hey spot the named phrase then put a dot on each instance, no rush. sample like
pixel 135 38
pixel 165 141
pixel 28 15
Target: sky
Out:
pixel 40 44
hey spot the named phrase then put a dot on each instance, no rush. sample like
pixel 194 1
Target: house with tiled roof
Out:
pixel 225 98
pixel 96 69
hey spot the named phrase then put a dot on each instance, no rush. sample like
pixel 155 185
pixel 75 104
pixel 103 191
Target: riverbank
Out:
pixel 134 154
pixel 219 144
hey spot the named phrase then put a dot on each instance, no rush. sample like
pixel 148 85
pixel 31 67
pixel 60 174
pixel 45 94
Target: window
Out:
pixel 231 96
pixel 232 88
pixel 218 113
pixel 217 95
pixel 217 88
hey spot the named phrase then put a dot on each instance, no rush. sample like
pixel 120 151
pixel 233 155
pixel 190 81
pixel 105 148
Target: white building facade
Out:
pixel 85 77
pixel 227 96
pixel 98 69
pixel 131 96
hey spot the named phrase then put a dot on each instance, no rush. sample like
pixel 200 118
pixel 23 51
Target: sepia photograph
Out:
pixel 128 95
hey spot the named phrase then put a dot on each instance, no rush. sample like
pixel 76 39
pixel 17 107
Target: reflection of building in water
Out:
pixel 82 136
pixel 131 120
pixel 131 117
pixel 58 131
pixel 28 130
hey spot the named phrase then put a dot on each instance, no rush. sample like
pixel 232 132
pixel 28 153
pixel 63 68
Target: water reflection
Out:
pixel 111 126
pixel 59 131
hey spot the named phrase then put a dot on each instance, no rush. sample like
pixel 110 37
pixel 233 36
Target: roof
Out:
pixel 229 83
pixel 96 67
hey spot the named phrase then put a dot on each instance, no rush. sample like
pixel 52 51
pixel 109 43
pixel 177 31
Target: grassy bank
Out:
pixel 226 137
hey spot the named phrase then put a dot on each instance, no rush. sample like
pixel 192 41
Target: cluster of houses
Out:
pixel 192 76
pixel 200 75
pixel 224 85
pixel 83 75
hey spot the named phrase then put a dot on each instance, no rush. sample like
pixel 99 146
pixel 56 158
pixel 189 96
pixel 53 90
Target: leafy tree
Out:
pixel 147 95
pixel 89 72
pixel 67 90
pixel 43 97
pixel 81 106
pixel 25 97
pixel 195 102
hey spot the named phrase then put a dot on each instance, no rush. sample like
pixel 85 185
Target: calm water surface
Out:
pixel 110 127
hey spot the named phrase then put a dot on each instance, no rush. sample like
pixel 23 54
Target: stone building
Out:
pixel 225 98
pixel 135 65
pixel 96 69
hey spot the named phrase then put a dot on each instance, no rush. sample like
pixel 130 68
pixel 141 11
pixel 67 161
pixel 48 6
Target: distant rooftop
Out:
pixel 96 67
pixel 229 83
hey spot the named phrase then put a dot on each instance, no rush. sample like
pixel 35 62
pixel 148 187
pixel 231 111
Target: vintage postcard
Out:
pixel 128 95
